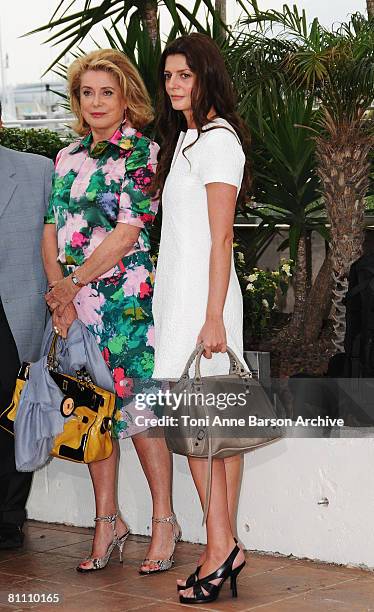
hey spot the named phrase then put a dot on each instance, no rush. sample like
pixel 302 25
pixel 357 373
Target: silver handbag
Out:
pixel 219 428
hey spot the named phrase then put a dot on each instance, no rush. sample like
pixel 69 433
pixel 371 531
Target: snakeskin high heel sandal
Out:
pixel 101 562
pixel 164 564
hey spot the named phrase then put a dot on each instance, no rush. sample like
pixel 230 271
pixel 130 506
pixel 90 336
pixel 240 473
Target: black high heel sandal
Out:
pixel 212 590
pixel 192 578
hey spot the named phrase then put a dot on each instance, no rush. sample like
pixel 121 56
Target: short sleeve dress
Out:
pixel 182 277
pixel 92 191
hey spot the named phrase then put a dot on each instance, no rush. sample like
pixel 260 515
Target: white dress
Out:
pixel 182 274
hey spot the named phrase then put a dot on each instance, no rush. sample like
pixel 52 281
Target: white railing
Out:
pixel 56 124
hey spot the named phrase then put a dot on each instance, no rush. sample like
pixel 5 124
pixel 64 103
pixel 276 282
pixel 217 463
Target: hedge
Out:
pixel 44 142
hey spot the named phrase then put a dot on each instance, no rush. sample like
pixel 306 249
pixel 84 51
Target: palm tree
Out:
pixel 341 73
pixel 148 12
pixel 220 6
pixel 282 121
pixel 337 68
pixel 73 27
pixel 370 8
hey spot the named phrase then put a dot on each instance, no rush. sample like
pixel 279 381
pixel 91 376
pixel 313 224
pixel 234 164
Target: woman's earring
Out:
pixel 124 117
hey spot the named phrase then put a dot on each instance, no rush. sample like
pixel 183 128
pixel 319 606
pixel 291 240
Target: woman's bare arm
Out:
pixel 49 254
pixel 111 250
pixel 62 320
pixel 221 211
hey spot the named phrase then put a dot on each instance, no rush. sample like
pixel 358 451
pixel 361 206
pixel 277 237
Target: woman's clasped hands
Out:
pixel 62 292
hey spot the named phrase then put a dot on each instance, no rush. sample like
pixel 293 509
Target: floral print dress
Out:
pixel 92 191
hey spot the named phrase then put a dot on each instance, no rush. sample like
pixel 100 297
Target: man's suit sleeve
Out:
pixel 48 175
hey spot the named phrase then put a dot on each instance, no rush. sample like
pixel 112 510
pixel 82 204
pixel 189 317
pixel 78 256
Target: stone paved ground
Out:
pixel 47 563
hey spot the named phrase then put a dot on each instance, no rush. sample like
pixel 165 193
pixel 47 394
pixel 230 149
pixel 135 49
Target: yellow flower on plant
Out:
pixel 252 277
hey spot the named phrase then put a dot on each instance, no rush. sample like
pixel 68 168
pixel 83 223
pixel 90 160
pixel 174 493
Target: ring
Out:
pixel 56 329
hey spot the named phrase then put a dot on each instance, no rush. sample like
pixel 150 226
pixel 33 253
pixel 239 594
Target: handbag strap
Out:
pixel 208 488
pixel 52 362
pixel 236 366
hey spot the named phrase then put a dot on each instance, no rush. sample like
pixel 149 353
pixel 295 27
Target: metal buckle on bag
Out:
pixel 246 377
pixel 106 425
pixel 197 384
pixel 84 379
pixel 249 374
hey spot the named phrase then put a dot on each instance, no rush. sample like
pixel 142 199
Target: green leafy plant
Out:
pixel 131 15
pixel 260 289
pixel 132 27
pixel 287 188
pixel 44 142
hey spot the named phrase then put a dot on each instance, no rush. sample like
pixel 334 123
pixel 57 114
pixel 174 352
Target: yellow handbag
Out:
pixel 88 409
pixel 86 436
pixel 7 416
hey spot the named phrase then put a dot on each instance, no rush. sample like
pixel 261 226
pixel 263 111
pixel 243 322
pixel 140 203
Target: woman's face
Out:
pixel 179 82
pixel 101 101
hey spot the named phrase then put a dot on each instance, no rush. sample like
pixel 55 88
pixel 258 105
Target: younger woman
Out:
pixel 201 174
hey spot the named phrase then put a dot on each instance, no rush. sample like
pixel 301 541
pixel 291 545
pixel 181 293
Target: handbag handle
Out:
pixel 236 367
pixel 52 362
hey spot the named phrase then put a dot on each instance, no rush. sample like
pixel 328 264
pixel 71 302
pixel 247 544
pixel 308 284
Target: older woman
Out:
pixel 96 256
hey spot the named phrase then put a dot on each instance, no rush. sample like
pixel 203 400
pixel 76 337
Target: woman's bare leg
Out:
pixel 155 458
pixel 104 480
pixel 220 539
pixel 233 474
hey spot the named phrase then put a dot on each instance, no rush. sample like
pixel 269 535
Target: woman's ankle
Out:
pixel 162 511
pixel 219 546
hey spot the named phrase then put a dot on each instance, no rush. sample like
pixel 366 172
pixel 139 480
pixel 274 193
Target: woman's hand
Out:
pixel 63 318
pixel 213 336
pixel 62 293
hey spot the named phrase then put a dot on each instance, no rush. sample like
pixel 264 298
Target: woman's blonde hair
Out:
pixel 139 109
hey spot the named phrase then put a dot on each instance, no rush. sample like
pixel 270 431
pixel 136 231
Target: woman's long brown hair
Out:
pixel 213 89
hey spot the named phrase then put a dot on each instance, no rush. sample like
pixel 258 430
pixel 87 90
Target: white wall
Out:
pixel 278 510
